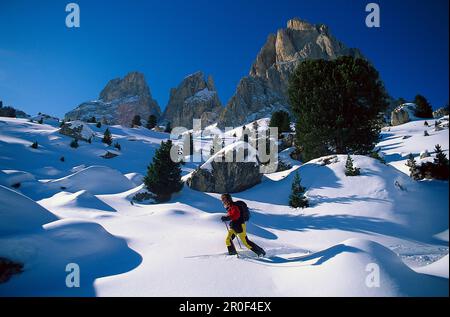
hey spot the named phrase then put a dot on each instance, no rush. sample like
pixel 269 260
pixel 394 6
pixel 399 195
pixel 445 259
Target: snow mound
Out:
pixel 87 244
pixel 439 268
pixel 19 213
pixel 360 267
pixel 98 180
pixel 13 177
pixel 79 200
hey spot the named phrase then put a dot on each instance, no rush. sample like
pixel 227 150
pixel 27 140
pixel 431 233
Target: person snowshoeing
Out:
pixel 236 214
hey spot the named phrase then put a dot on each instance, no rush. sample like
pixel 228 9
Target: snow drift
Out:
pixel 359 267
pixel 46 256
pixel 19 213
pixel 12 177
pixel 97 180
pixel 439 268
pixel 81 200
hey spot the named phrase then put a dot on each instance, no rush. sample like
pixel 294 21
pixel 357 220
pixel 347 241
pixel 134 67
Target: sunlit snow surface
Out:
pixel 79 211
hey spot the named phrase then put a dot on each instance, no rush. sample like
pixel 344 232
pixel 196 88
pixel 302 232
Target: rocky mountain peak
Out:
pixel 265 89
pixel 194 98
pixel 133 84
pixel 298 24
pixel 119 102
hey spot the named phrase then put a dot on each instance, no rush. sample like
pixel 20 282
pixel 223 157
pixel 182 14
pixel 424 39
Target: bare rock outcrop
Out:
pixel 77 130
pixel 403 114
pixel 222 175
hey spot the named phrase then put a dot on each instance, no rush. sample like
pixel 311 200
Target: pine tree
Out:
pixel 117 146
pixel 441 162
pixel 376 155
pixel 168 128
pixel 107 137
pixel 350 170
pixel 401 101
pixel 163 174
pixel 92 120
pixel 89 140
pixel 441 158
pixel 337 106
pixel 35 145
pixel 414 171
pixel 280 119
pixel 423 109
pixel 8 112
pixel 41 120
pixel 297 199
pixel 425 133
pixel 74 143
pixel 136 122
pixel 426 123
pixel 98 125
pixel 151 122
pixel 62 159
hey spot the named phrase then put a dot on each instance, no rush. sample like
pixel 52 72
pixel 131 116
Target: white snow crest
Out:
pixel 227 153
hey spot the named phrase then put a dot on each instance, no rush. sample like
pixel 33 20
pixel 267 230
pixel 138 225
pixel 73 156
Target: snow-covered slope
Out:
pixel 19 213
pixel 399 141
pixel 95 179
pixel 439 268
pixel 348 265
pixel 381 220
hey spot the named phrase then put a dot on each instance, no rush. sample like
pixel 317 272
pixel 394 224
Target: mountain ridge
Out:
pixel 119 101
pixel 257 95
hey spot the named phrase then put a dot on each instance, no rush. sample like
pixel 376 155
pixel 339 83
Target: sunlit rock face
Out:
pixel 119 102
pixel 264 90
pixel 195 98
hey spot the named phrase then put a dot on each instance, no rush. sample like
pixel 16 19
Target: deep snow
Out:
pixel 79 211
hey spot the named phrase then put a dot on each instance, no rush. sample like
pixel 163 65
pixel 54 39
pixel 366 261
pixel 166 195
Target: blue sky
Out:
pixel 44 66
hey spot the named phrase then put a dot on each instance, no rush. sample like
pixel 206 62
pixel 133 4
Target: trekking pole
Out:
pixel 240 247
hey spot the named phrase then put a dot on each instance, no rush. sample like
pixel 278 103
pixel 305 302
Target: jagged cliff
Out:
pixel 264 90
pixel 194 98
pixel 119 102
